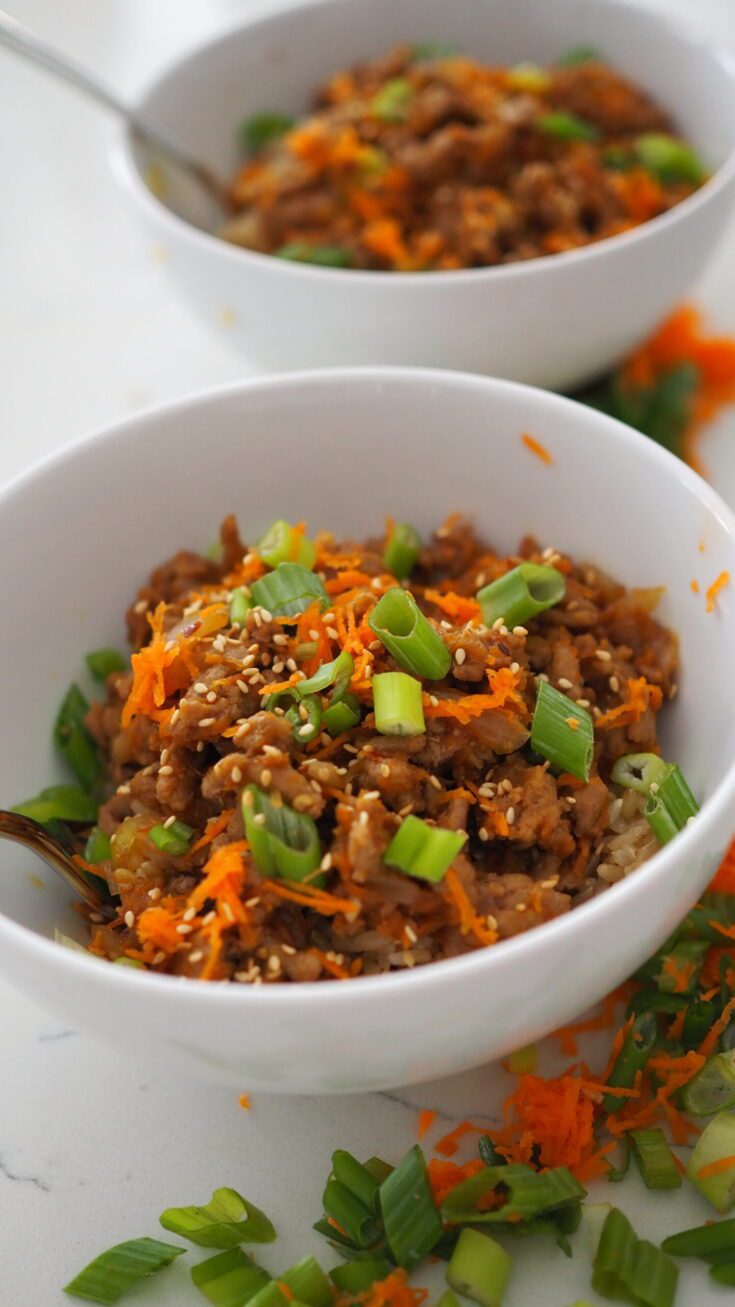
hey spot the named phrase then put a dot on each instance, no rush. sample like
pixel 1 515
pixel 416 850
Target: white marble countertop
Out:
pixel 91 1149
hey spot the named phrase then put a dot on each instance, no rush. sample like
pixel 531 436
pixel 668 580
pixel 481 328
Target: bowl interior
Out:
pixel 80 534
pixel 276 63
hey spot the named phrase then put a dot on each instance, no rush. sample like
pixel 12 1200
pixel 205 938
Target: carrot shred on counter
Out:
pixel 393 1291
pixel 714 589
pixel 537 448
pixel 244 1102
pixel 694 587
pixel 426 1121
pixel 446 1176
pixel 551 1122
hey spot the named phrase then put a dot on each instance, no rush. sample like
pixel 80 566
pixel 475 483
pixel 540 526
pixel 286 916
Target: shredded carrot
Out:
pixel 640 695
pixel 603 1021
pixel 426 1121
pixel 709 1042
pixel 694 587
pixel 550 1121
pixel 449 1143
pixel 470 705
pixel 469 922
pixel 724 881
pixel 157 926
pixel 457 606
pixel 445 1176
pixel 537 448
pixel 214 827
pixel 244 1101
pixel 277 687
pixel 223 881
pixel 716 1168
pixel 329 964
pixel 309 897
pixel 393 1291
pixel 714 589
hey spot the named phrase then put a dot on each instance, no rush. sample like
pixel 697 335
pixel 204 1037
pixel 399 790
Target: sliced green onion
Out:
pixel 342 716
pixel 306 718
pixel 562 732
pixel 670 160
pixel 567 126
pixel 59 803
pixel 699 1018
pixel 632 1058
pixel 520 594
pixel 110 1275
pixel 378 1168
pixel 356 1177
pixel 637 771
pixel 130 962
pixel 527 76
pixel 671 805
pixel 489 1153
pixel 353 1216
pixel 715 1144
pixel 401 551
pixel 391 102
pixel 680 966
pixel 712 908
pixel 229 1279
pixel 308 1283
pixel 448 1299
pixel 426 852
pixel 401 626
pixel 240 605
pixel 631 1268
pixel 724 1273
pixel 282 543
pixel 356 1277
pixel 707 1241
pixel 655 1159
pixel 337 673
pixel 173 839
pixel 73 739
pixel 283 842
pixel 426 50
pixel 398 704
pixel 225 1221
pixel 479 1268
pixel 306 650
pixel 713 1088
pixel 322 256
pixel 579 54
pixel 289 590
pixel 410 1216
pixel 97 848
pixel 616 158
pixel 523 1061
pixel 271 1295
pixel 619 1172
pixel 256 132
pixel 528 1194
pixel 101 662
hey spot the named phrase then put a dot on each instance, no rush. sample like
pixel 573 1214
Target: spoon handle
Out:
pixel 21 40
pixel 21 830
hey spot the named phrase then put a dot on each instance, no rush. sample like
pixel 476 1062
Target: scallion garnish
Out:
pixel 73 739
pixel 401 626
pixel 271 1295
pixel 356 1177
pixel 655 1159
pixel 59 803
pixel 579 54
pixel 306 718
pixel 240 605
pixel 488 1152
pixel 713 1087
pixel 337 673
pixel 631 1268
pixel 714 1239
pixel 173 839
pixel 110 1275
pixel 562 732
pixel 520 594
pixel 225 1221
pixel 401 551
pixel 637 1047
pixel 669 159
pixel 283 842
pixel 321 256
pixel 711 1167
pixel 308 1283
pixel 479 1268
pixel 229 1279
pixel 391 102
pixel 424 851
pixel 527 1194
pixel 97 848
pixel 101 662
pixel 356 1277
pixel 567 126
pixel 410 1216
pixel 282 543
pixel 426 50
pixel 351 1214
pixel 398 704
pixel 637 771
pixel 256 132
pixel 670 804
pixel 342 715
pixel 289 590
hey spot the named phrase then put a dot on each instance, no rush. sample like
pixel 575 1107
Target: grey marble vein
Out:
pixel 22 1179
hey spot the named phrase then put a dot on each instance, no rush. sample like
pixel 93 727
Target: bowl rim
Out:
pixel 130 178
pixel 477 964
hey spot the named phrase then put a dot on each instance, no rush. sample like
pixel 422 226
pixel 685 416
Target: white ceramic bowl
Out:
pixel 81 532
pixel 555 321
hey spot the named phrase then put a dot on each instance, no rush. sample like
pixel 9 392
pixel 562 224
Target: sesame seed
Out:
pixel 226 910
pixel 497 624
pixel 445 625
pixel 267 616
pixel 242 687
pixel 129 919
pixel 280 640
pixel 164 755
pixel 288 949
pixel 363 819
pixel 433 701
pixel 278 666
pixel 483 834
pixel 259 819
pixel 520 630
pixel 571 799
pixel 410 934
pixel 270 751
pixel 551 883
pixel 305 731
pixel 95 917
pixel 515 668
pixel 207 721
pixel 236 775
pixel 434 780
pixel 266 776
pixel 459 656
pixel 169 646
pixel 542 677
pixel 510 815
pixel 603 655
pixel 333 635
pixel 291 664
pixel 564 683
pixel 211 697
pixel 141 606
pixel 124 789
pixel 169 822
pixel 154 893
pixel 653 787
pixel 184 928
pixel 326 862
pixel 520 907
pixel 158 958
pixel 384 770
pixel 196 956
pixel 201 688
pixel 166 771
pixel 207 921
pixel 248 660
pixel 252 903
pixel 614 684
pixel 583 703
pixel 175 716
pixel 190 914
pixel 274 963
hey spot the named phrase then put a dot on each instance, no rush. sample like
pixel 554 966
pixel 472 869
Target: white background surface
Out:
pixel 90 1149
